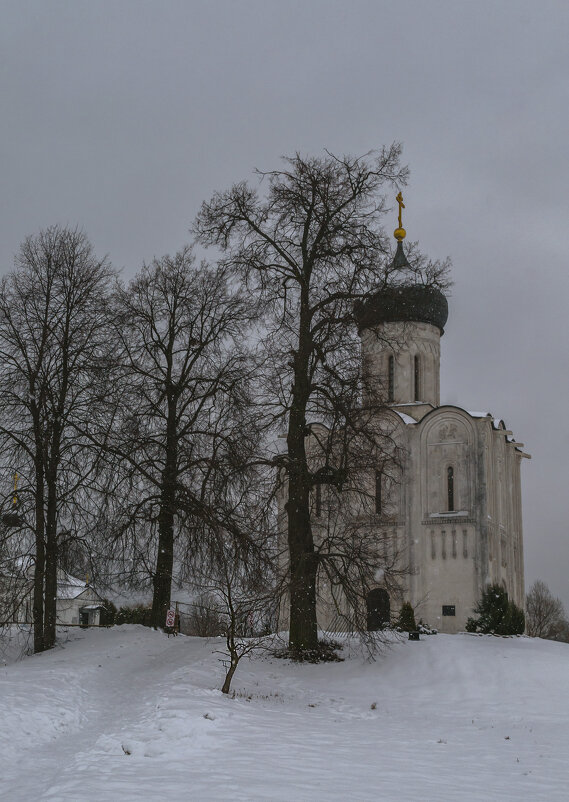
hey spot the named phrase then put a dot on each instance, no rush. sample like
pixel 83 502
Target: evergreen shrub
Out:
pixel 406 620
pixel 497 615
pixel 110 615
pixel 134 615
pixel 325 652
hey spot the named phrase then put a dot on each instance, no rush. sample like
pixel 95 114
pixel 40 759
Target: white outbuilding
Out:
pixel 78 602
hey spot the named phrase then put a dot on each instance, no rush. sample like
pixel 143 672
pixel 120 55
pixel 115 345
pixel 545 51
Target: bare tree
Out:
pixel 236 582
pixel 180 392
pixel 355 543
pixel 53 359
pixel 545 615
pixel 309 249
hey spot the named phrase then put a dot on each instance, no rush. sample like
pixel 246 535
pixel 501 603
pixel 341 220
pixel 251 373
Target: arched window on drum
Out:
pixel 450 489
pixel 417 377
pixel 391 379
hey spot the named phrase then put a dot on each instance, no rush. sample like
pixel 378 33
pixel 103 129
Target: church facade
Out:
pixel 457 510
pixel 452 520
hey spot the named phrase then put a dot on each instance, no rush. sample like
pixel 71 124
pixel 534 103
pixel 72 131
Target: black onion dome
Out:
pixel 408 302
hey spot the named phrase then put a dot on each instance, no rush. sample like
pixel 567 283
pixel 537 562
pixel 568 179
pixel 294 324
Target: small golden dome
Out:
pixel 399 234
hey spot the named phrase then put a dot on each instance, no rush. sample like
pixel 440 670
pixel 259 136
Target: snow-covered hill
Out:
pixel 128 714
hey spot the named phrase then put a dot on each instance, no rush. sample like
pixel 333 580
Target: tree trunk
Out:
pixel 303 628
pixel 165 556
pixel 39 567
pixel 51 560
pixel 229 676
pixel 52 461
pixel 164 561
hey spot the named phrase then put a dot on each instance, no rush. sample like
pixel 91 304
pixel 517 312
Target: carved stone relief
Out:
pixel 448 431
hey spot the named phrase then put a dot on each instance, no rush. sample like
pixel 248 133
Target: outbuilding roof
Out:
pixel 69 587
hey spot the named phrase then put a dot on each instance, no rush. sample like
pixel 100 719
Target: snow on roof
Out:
pixel 453 514
pixel 499 425
pixel 69 592
pixel 405 418
pixel 414 404
pixel 69 587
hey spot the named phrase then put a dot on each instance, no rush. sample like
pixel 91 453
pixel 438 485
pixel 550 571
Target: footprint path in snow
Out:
pixel 111 702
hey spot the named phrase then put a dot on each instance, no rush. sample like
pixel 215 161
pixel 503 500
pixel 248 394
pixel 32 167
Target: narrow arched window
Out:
pixel 378 493
pixel 417 378
pixel 318 500
pixel 390 379
pixel 450 488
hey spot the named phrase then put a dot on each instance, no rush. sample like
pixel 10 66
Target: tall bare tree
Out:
pixel 545 615
pixel 309 248
pixel 183 381
pixel 54 347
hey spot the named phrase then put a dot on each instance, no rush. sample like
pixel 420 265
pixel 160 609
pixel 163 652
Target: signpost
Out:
pixel 170 618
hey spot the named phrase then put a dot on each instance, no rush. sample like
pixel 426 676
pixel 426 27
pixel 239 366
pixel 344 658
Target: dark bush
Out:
pixel 134 615
pixel 110 614
pixel 497 615
pixel 406 620
pixel 325 652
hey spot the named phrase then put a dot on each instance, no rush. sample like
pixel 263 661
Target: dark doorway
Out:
pixel 378 609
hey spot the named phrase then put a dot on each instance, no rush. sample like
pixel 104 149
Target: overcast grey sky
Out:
pixel 123 115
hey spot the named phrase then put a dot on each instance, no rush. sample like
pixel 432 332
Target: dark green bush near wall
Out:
pixel 497 615
pixel 110 614
pixel 406 620
pixel 134 615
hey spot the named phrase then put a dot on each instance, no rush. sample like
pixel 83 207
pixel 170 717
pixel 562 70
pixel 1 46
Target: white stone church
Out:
pixel 458 508
pixel 456 512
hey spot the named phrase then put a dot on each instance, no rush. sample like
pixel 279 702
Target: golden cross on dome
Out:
pixel 400 232
pixel 399 200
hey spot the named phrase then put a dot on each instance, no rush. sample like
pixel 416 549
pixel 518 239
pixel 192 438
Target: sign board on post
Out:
pixel 170 618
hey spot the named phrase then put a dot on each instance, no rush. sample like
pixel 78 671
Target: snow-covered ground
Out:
pixel 128 714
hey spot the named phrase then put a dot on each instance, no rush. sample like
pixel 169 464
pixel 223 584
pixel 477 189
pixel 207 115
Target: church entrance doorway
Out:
pixel 378 609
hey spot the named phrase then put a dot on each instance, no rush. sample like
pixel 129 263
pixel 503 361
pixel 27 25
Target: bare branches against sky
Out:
pixel 123 116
